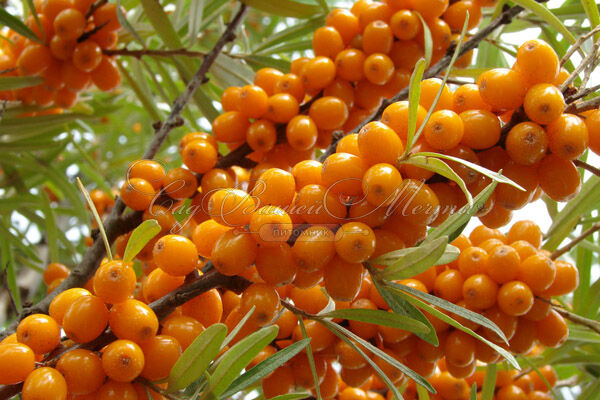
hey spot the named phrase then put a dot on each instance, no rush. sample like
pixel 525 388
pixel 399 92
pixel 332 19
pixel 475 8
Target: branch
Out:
pixel 149 52
pixel 593 325
pixel 587 167
pixel 578 44
pixel 589 59
pixel 504 18
pixel 117 225
pixel 577 108
pixel 94 7
pixel 559 252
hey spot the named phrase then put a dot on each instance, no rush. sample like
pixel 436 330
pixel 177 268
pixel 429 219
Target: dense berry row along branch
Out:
pixel 116 224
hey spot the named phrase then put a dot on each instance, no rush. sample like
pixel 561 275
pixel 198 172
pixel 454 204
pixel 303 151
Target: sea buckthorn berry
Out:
pixel 368 96
pixel 396 117
pixel 417 203
pixel 206 308
pixel 133 320
pixel 568 136
pixel 378 68
pixel 503 264
pixel 206 235
pixel 261 135
pixel 405 24
pixel 592 122
pixel 524 339
pixel 231 207
pixel 307 172
pixel 17 361
pixel 114 281
pixel 175 254
pixel 82 370
pixel 344 22
pixel 302 372
pixel 63 301
pixel 183 328
pixel 472 260
pixel 377 143
pixel 158 283
pixel 87 56
pixel 278 383
pixel 230 99
pixel 160 354
pixel 430 9
pixel 467 97
pixel 456 14
pixel 502 88
pixel 282 107
pixel 368 214
pixel 537 61
pixel 318 73
pixel 349 64
pixel 381 184
pixel 506 323
pixel 267 78
pixel 449 285
pixel 444 130
pixel 316 204
pixel 149 170
pixel 544 103
pixel 509 196
pixel 377 37
pixel 343 279
pixel 44 383
pixel 113 390
pixel 354 242
pixel 276 264
pixel 481 129
pixel 291 84
pixel 265 300
pixel 40 332
pixel 327 42
pixel 342 173
pixel 482 233
pixel 526 143
pixel 230 127
pixel 343 90
pixel 558 177
pixel 515 298
pixel 566 280
pixel 429 90
pixel 480 291
pixel 539 395
pixel 199 156
pixel 321 337
pixel 234 252
pixel 55 271
pixel 552 331
pixel 538 272
pixel 85 319
pixel 459 348
pixel 440 35
pixel 274 187
pixel 328 112
pixel 270 226
pixel 106 16
pixel 137 193
pixel 253 101
pixel 122 360
pixel 69 24
pixel 524 248
pixel 34 59
pixel 511 392
pixel 314 248
pixel 106 75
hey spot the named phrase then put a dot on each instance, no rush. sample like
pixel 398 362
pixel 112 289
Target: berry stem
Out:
pixel 587 167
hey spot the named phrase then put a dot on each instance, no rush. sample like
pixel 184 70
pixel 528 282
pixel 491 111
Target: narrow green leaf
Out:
pixel 51 228
pixel 440 315
pixel 415 260
pixel 294 32
pixel 414 95
pixel 422 393
pixel 17 25
pixel 591 10
pixel 230 71
pixel 380 317
pixel 196 15
pixel 196 358
pixel 311 359
pixel 454 224
pixel 125 23
pixel 441 168
pixel 161 23
pixel 238 328
pixel 265 367
pixel 7 265
pixel 238 357
pixel 97 218
pixel 489 382
pixel 285 8
pixel 473 395
pixel 427 40
pixel 18 242
pixel 591 392
pixel 18 82
pixel 542 11
pixel 564 222
pixel 292 396
pixel 140 237
pixel 403 307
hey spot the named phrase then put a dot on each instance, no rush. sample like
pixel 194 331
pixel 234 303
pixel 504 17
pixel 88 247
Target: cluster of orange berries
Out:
pixel 69 56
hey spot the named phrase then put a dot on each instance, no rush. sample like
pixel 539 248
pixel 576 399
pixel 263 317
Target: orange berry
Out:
pixel 40 332
pixel 509 196
pixel 472 260
pixel 137 193
pixel 467 97
pixel 314 248
pixel 230 127
pixel 502 88
pixel 17 361
pixel 34 59
pixel 114 281
pixel 69 24
pixel 396 117
pixel 515 298
pixel 158 283
pixel 106 16
pixel 55 271
pixel 544 103
pixel 231 207
pixel 526 143
pixel 85 319
pixel 328 112
pixel 459 348
pixel 234 252
pixel 429 90
pixel 274 187
pixel 307 172
pixel 270 226
pixel 503 264
pixel 87 56
pixel 106 75
pixel 430 9
pixel 133 320
pixel 276 264
pixel 282 107
pixel 318 73
pixel 511 392
pixel 456 14
pixel 349 64
pixel 558 177
pixel 481 129
pixel 343 279
pixel 449 285
pixel 199 156
pixel 524 339
pixel 381 184
pixel 327 42
pixel 537 61
pixel 342 173
pixel 183 328
pixel 538 272
pixel 405 24
pixel 444 130
pixel 44 383
pixel 417 204
pixel 82 370
pixel 377 143
pixel 265 300
pixel 175 254
pixel 267 78
pixel 568 136
pixel 592 122
pixel 122 360
pixel 160 354
pixel 552 330
pixel 113 390
pixel 479 291
pixel 566 280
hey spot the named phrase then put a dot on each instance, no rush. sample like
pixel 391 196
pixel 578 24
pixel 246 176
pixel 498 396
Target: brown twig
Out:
pixel 577 45
pixel 13 303
pixel 593 325
pixel 587 60
pixel 503 19
pixel 150 52
pixel 116 224
pixel 587 167
pixel 94 7
pixel 582 93
pixel 576 108
pixel 565 249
